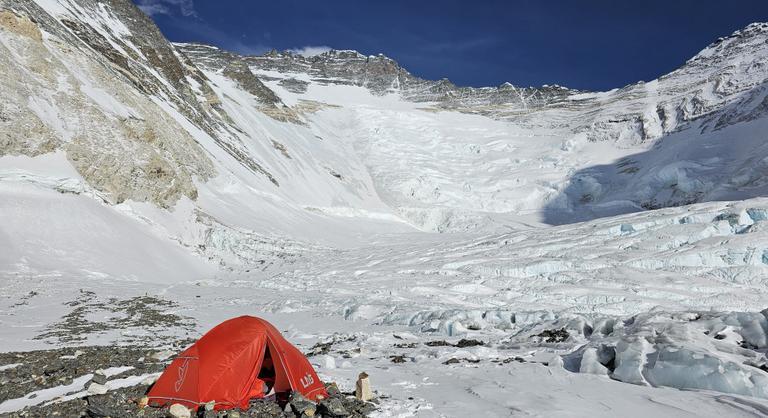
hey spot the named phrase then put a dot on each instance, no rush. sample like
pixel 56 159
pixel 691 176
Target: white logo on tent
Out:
pixel 182 375
pixel 306 380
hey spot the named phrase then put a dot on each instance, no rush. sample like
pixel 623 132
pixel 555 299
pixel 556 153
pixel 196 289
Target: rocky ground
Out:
pixel 111 382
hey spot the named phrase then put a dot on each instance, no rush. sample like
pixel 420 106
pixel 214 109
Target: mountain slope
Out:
pixel 312 190
pixel 321 135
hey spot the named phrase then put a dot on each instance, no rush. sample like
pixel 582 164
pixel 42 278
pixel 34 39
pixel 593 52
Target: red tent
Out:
pixel 225 365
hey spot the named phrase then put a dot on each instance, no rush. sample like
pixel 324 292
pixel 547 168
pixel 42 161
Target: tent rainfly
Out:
pixel 227 366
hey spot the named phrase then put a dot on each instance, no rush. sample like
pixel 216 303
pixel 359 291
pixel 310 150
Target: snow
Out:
pixel 397 224
pixel 9 366
pixel 100 18
pixel 423 288
pixel 44 395
pixel 73 390
pixel 113 371
pixel 66 231
pixel 111 385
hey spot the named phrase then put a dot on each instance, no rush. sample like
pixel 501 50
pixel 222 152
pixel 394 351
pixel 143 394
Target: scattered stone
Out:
pixel 100 411
pixel 747 345
pixel 454 360
pixel 333 389
pixel 438 343
pixel 99 378
pixel 179 411
pixel 510 360
pixel 325 347
pixel 468 343
pixel 266 408
pixel 333 408
pixel 132 401
pixel 97 389
pixel 144 312
pixel 405 345
pixel 463 343
pixel 161 355
pixel 54 367
pixel 554 336
pixel 107 405
pixel 363 390
pixel 320 348
pixel 302 405
pixel 208 414
pixel 397 359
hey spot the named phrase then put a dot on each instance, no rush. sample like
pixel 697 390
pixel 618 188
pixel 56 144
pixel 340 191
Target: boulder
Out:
pixel 301 405
pixel 99 411
pixel 99 378
pixel 179 411
pixel 332 389
pixel 363 390
pixel 97 389
pixel 332 408
pixel 161 355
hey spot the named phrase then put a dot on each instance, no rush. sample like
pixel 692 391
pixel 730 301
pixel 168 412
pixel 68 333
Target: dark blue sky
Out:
pixel 587 44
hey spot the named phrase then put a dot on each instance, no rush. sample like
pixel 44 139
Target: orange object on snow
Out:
pixel 224 366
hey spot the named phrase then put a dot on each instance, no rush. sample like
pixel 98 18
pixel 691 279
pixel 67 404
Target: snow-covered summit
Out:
pixel 382 75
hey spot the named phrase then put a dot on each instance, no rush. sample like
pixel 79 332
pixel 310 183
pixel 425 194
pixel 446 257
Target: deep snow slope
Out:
pixel 354 203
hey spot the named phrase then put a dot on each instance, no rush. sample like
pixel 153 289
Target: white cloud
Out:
pixel 153 9
pixel 310 51
pixel 168 7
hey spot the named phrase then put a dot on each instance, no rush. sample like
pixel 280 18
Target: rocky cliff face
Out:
pixel 381 75
pixel 718 85
pixel 61 91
